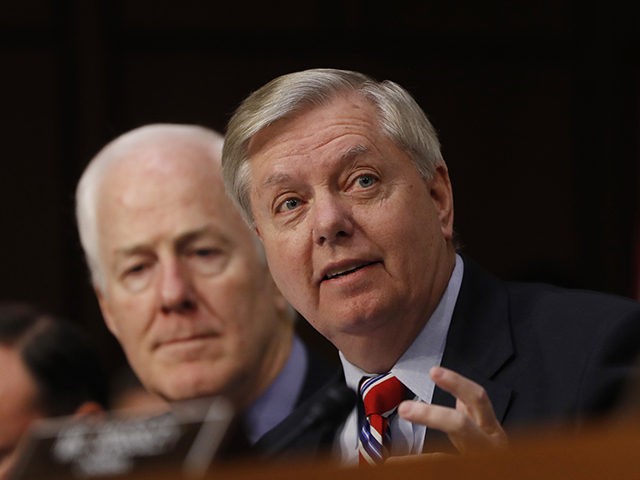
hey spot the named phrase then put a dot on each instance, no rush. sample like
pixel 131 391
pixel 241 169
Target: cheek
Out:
pixel 233 300
pixel 131 316
pixel 288 254
pixel 406 225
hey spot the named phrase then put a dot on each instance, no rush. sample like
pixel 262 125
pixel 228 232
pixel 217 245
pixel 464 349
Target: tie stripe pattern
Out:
pixel 380 396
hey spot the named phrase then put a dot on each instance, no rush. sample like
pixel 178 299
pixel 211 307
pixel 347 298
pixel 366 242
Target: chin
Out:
pixel 185 385
pixel 181 391
pixel 358 321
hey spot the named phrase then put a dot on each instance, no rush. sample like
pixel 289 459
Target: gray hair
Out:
pixel 119 148
pixel 399 116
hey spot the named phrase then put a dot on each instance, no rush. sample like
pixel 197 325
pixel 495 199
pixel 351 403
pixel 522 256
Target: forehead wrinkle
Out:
pixel 179 241
pixel 350 154
pixel 276 179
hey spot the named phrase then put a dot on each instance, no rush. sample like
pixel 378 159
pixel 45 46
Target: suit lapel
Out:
pixel 478 343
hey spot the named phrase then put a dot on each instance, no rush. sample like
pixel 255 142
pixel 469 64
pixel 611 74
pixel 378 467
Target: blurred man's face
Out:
pixel 186 292
pixel 356 239
pixel 18 405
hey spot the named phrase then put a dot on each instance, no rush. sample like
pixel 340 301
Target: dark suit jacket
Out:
pixel 319 372
pixel 236 445
pixel 542 353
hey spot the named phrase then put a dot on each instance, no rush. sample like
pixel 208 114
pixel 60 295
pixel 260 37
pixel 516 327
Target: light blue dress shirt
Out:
pixel 279 400
pixel 412 369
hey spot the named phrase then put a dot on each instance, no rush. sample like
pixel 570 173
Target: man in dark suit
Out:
pixel 182 282
pixel 343 180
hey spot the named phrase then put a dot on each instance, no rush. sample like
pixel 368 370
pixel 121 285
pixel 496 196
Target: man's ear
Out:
pixel 442 196
pixel 106 314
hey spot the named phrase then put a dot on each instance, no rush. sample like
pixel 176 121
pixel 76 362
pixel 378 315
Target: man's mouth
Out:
pixel 190 338
pixel 184 339
pixel 346 271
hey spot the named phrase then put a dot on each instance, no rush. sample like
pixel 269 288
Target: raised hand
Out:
pixel 471 426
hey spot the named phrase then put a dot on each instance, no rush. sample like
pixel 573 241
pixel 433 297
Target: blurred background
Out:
pixel 536 103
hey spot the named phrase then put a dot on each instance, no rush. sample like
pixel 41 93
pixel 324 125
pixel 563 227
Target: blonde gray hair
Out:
pixel 399 117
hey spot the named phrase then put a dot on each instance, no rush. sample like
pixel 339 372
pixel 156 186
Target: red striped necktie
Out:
pixel 380 396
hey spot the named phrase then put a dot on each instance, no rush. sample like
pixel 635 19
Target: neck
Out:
pixel 394 338
pixel 388 351
pixel 271 363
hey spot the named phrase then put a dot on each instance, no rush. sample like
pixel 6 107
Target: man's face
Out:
pixel 356 239
pixel 186 292
pixel 18 405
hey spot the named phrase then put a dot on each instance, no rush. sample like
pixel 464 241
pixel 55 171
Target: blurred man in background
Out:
pixel 182 282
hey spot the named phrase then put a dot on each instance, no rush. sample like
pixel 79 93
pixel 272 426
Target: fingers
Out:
pixel 465 434
pixel 471 397
pixel 472 425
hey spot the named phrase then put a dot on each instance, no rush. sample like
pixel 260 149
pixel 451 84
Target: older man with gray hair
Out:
pixel 182 282
pixel 343 180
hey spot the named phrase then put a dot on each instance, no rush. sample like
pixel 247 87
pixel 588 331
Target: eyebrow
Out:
pixel 130 251
pixel 193 235
pixel 354 151
pixel 180 242
pixel 348 155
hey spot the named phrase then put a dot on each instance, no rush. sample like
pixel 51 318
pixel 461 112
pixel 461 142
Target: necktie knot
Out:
pixel 382 394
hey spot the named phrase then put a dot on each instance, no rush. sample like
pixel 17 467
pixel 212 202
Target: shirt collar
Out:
pixel 426 350
pixel 279 399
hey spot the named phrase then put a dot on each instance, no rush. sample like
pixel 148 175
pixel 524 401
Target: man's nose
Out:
pixel 332 219
pixel 176 292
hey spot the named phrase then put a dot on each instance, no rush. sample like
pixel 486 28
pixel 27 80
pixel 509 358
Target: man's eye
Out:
pixel 136 269
pixel 289 204
pixel 207 260
pixel 205 252
pixel 365 181
pixel 137 277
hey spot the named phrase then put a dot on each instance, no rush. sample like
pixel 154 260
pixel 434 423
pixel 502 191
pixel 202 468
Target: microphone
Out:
pixel 329 406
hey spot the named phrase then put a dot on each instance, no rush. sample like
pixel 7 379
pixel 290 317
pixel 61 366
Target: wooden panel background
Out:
pixel 536 103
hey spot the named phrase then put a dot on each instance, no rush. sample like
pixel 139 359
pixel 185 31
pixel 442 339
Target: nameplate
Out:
pixel 184 440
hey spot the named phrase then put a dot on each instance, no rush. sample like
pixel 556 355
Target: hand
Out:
pixel 471 426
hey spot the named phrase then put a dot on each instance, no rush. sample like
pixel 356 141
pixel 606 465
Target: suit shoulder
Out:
pixel 549 299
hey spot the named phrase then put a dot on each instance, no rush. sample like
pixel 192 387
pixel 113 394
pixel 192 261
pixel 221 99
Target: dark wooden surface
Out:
pixel 603 451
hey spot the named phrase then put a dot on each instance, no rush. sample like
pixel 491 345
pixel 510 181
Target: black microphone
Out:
pixel 329 407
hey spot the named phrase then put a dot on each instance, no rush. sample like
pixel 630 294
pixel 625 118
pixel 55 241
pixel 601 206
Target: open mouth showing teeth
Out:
pixel 346 272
